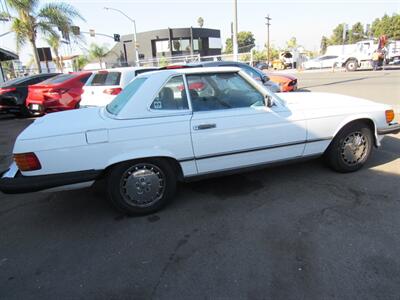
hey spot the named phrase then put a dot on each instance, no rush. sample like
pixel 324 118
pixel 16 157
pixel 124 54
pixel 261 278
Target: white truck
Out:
pixel 360 57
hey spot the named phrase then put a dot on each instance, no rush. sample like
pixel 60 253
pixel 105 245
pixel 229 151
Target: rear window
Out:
pixel 106 78
pixel 59 79
pixel 123 98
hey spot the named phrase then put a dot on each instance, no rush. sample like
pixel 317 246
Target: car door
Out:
pixel 231 126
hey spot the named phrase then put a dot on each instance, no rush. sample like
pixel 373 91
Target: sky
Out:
pixel 307 20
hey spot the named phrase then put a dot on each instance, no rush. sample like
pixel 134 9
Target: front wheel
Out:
pixel 141 187
pixel 350 149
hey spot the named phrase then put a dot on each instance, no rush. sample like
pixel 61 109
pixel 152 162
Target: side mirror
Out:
pixel 269 102
pixel 264 78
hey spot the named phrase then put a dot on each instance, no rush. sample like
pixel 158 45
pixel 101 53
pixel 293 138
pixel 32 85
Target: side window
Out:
pixel 172 96
pixel 222 91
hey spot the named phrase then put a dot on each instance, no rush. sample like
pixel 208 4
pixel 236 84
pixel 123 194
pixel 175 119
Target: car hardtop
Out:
pixel 123 69
pixel 138 105
pixel 217 63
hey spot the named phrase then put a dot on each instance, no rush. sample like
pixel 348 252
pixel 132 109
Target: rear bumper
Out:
pixel 5 108
pixel 13 182
pixel 393 128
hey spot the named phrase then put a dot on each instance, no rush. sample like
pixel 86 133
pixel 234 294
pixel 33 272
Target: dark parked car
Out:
pixel 253 72
pixel 13 93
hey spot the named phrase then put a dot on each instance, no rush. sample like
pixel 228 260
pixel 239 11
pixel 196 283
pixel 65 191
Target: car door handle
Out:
pixel 204 126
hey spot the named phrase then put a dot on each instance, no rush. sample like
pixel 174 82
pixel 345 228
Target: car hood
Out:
pixel 64 123
pixel 310 100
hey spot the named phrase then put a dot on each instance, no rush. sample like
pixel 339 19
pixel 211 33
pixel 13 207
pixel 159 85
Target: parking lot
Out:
pixel 299 231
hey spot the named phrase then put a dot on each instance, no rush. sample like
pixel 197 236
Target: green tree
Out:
pixel 31 19
pixel 200 22
pixel 292 43
pixel 245 42
pixel 80 62
pixel 337 36
pixel 356 33
pixel 98 52
pixel 54 43
pixel 324 44
pixel 389 26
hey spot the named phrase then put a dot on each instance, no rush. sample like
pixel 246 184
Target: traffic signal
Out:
pixel 75 30
pixel 117 37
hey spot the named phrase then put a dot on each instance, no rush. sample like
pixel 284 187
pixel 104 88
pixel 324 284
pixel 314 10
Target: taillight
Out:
pixel 56 93
pixel 112 91
pixel 27 161
pixel 7 90
pixel 389 115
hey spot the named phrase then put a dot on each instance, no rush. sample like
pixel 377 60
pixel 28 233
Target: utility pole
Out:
pixel 268 24
pixel 235 31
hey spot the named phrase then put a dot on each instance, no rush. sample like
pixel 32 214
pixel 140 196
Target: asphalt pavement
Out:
pixel 299 231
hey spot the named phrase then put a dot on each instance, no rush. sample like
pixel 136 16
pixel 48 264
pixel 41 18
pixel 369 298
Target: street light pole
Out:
pixel 235 31
pixel 134 32
pixel 268 24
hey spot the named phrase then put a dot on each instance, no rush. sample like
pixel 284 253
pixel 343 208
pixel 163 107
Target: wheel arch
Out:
pixel 174 163
pixel 359 119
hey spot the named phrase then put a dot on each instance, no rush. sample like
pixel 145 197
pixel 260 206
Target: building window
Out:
pixel 162 46
pixel 197 44
pixel 214 43
pixel 179 45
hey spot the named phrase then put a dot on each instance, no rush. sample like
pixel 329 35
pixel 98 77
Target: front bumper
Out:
pixel 13 182
pixel 393 128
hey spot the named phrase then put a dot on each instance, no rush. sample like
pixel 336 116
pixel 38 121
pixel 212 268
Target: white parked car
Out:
pixel 326 61
pixel 183 124
pixel 102 87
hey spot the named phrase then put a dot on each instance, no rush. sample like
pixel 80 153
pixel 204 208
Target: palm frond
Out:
pixel 22 32
pixel 54 41
pixel 23 5
pixel 59 14
pixel 46 29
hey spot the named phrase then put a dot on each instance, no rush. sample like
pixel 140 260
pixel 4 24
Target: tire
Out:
pixel 142 186
pixel 351 65
pixel 350 148
pixel 26 113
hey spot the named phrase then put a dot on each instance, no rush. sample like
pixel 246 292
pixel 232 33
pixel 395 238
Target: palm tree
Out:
pixel 98 52
pixel 200 21
pixel 31 19
pixel 80 62
pixel 54 43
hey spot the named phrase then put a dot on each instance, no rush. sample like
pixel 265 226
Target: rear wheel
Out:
pixel 350 149
pixel 141 187
pixel 351 65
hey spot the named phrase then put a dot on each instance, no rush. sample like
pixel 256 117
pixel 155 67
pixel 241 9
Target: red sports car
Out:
pixel 288 83
pixel 61 92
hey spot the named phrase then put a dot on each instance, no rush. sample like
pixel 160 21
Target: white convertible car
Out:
pixel 181 124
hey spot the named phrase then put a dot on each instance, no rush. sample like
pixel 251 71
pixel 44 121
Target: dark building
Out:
pixel 166 43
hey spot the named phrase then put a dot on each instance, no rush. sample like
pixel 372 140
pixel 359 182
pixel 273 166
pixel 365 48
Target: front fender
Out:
pixel 357 117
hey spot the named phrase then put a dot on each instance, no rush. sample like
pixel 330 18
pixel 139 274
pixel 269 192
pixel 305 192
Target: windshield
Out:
pixel 122 99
